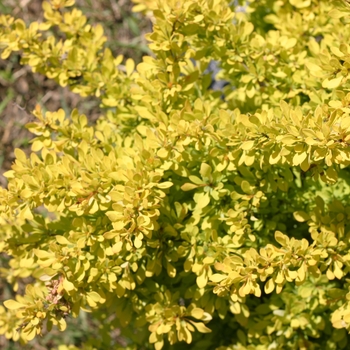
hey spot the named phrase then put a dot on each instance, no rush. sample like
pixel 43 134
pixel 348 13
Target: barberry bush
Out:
pixel 187 216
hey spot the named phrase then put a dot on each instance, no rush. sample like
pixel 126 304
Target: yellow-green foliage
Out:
pixel 187 215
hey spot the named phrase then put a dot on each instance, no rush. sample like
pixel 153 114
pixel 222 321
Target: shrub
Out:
pixel 217 218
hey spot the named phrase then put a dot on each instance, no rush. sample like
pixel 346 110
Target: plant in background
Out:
pixel 187 217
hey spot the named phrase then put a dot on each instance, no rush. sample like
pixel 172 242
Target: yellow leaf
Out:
pixel 282 239
pixel 196 180
pixel 114 216
pixel 42 254
pixel 216 277
pixel 201 327
pixel 26 213
pixel 62 240
pixel 202 280
pixel 299 158
pixel 29 333
pixel 137 243
pixel 165 184
pixel 20 155
pixel 305 165
pixel 301 273
pixel 171 270
pixel 144 113
pixel 13 304
pixel 335 13
pixel 130 66
pixel 208 260
pixel 333 83
pixel 338 272
pixel 188 187
pixel 247 145
pixel 269 286
pixel 205 170
pixel 202 199
pixel 301 216
pixel 197 313
pixel 68 286
pixel 37 146
pixel 62 325
pixel 287 140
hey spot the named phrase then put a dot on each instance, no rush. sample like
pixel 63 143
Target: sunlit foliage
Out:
pixel 186 216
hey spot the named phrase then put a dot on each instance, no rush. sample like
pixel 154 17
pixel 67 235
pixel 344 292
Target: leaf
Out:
pixel 29 333
pixel 188 186
pixel 13 304
pixel 282 239
pixel 144 113
pixel 202 280
pixel 299 158
pixel 331 175
pixel 62 240
pixel 170 270
pixel 137 243
pixel 301 273
pixel 196 180
pixel 62 324
pixel 94 296
pixel 287 140
pixel 335 13
pixel 333 83
pixel 113 216
pixel 269 286
pixel 165 184
pixel 68 286
pixel 300 3
pixel 305 165
pixel 245 186
pixel 20 155
pixel 247 145
pixel 216 277
pixel 201 327
pixel 205 170
pixel 301 216
pixel 130 66
pixel 42 254
pixel 248 28
pixel 197 313
pixel 202 199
